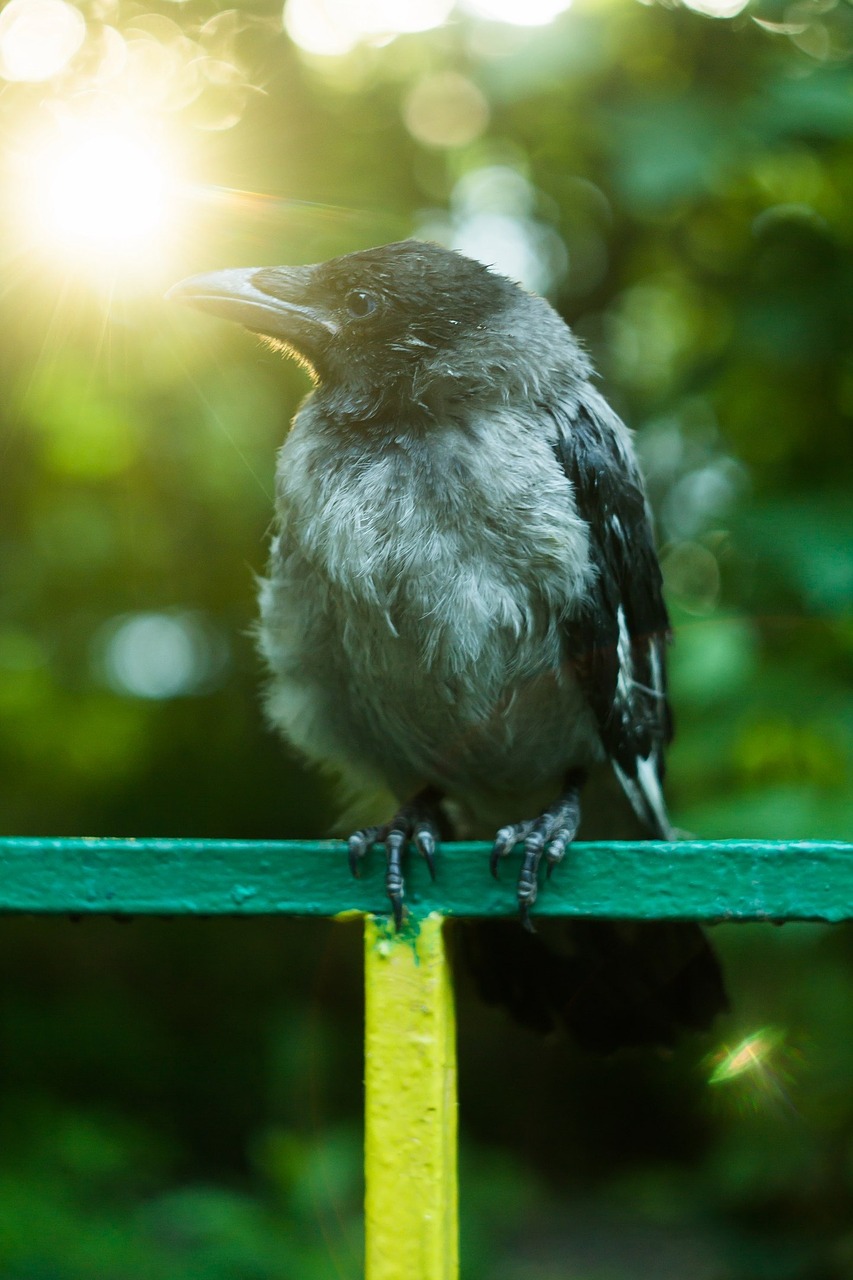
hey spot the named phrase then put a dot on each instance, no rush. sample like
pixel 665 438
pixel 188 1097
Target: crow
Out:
pixel 464 602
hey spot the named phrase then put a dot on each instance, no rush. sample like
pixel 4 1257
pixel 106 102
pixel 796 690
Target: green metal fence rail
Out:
pixel 410 1064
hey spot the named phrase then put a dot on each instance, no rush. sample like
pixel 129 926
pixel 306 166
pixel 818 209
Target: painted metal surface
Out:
pixel 410 1068
pixel 411 1214
pixel 716 880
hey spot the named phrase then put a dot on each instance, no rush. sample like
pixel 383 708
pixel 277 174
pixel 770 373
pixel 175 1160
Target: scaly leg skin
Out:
pixel 421 822
pixel 550 834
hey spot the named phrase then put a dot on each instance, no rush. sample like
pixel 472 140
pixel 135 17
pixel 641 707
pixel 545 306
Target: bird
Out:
pixel 464 603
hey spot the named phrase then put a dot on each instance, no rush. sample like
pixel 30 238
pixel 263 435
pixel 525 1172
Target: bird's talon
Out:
pixel 524 915
pixel 357 846
pixel 420 822
pixel 395 897
pixel 504 841
pixel 527 886
pixel 556 851
pixel 548 836
pixel 425 844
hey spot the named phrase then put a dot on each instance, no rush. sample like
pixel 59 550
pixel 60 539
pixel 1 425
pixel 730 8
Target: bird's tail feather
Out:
pixel 610 984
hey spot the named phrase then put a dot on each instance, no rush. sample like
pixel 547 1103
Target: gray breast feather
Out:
pixel 411 620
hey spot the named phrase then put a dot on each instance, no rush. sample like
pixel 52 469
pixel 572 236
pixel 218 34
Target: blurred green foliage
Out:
pixel 184 1099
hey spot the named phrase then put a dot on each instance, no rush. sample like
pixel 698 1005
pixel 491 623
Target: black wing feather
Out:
pixel 625 683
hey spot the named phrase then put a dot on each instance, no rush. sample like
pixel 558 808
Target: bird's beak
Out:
pixel 267 300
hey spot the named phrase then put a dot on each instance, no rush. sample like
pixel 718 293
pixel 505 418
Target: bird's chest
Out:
pixel 435 554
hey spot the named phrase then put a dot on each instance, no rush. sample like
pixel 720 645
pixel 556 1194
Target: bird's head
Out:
pixel 408 325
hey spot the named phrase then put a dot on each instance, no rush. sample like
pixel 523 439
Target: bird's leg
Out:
pixel 549 834
pixel 419 821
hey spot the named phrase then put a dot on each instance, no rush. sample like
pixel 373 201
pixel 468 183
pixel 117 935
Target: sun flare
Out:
pixel 101 195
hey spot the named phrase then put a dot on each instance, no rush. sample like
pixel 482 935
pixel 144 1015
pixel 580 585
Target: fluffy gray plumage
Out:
pixel 462 592
pixel 464 603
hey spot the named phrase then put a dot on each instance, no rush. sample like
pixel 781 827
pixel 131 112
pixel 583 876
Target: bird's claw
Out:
pixel 557 845
pixel 395 887
pixel 417 822
pixel 358 845
pixel 548 835
pixel 425 843
pixel 505 841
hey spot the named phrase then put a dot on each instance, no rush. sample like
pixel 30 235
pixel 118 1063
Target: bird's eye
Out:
pixel 360 304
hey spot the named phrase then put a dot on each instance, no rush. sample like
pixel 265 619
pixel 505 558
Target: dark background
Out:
pixel 184 1098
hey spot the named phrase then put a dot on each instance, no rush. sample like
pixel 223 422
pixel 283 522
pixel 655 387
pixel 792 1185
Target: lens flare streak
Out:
pixel 760 1065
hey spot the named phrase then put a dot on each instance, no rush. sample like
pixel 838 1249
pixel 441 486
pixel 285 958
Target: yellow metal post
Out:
pixel 410 1104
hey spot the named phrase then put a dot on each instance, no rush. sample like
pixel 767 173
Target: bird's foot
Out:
pixel 549 834
pixel 419 822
